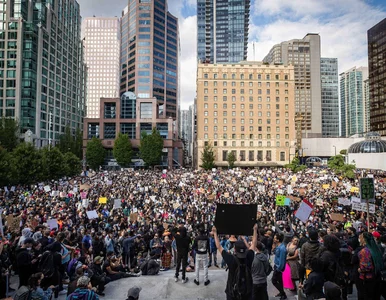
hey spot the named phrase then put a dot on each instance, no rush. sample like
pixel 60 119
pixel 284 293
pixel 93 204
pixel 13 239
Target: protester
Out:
pixel 133 293
pixel 24 261
pixel 201 247
pixel 239 283
pixel 36 291
pixel 280 252
pixel 183 245
pixel 84 290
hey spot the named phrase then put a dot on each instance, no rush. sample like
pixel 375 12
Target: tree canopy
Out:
pixel 231 158
pixel 69 142
pixel 338 165
pixel 151 147
pixel 95 153
pixel 295 165
pixel 9 133
pixel 208 158
pixel 122 150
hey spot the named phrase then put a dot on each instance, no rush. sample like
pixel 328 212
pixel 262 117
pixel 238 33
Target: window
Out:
pixel 269 155
pixel 109 131
pixel 259 155
pixel 233 143
pixel 205 121
pixel 225 142
pixel 205 128
pixel 224 155
pixel 146 110
pixel 251 155
pixel 282 156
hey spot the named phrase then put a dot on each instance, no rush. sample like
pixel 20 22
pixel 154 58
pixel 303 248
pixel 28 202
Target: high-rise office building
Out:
pixel 101 55
pixel 41 66
pixel 186 131
pixel 222 30
pixel 304 55
pixel 149 54
pixel 377 76
pixel 330 96
pixel 248 109
pixel 353 101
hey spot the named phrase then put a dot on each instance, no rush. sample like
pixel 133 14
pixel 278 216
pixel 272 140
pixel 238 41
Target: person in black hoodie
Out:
pixel 313 287
pixel 24 261
pixel 183 243
pixel 201 248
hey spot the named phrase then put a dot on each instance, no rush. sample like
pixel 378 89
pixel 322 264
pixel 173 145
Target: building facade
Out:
pixel 41 67
pixel 377 76
pixel 247 108
pixel 330 96
pixel 222 30
pixel 149 54
pixel 132 116
pixel 186 129
pixel 304 55
pixel 353 101
pixel 101 38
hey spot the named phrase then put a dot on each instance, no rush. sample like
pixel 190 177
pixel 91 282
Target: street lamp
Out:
pixel 335 149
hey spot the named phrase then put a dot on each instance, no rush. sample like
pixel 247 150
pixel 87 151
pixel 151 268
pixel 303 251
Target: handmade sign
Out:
pixel 235 219
pixel 102 200
pixel 47 188
pixel 280 199
pixel 85 203
pixel 326 186
pixel 83 195
pixel 117 203
pixel 133 217
pixel 84 187
pixel 304 211
pixel 363 207
pixel 337 217
pixel 344 201
pixel 52 224
pixel 287 202
pixel 92 214
pixel 13 223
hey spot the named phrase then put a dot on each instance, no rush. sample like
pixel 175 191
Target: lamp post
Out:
pixel 335 149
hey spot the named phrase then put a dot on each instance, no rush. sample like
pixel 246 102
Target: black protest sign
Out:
pixel 235 219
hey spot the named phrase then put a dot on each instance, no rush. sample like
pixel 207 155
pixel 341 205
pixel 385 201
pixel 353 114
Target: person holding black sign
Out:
pixel 239 283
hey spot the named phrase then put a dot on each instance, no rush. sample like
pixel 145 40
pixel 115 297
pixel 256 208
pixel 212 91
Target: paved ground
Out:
pixel 162 286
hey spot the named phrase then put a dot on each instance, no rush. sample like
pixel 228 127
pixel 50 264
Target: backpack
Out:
pixel 269 270
pixel 23 293
pixel 46 264
pixel 340 277
pixel 144 268
pixel 241 286
pixel 71 267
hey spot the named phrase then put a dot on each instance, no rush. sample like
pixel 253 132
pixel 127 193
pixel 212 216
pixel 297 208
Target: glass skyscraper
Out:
pixel 222 34
pixel 149 54
pixel 41 66
pixel 353 101
pixel 330 96
pixel 377 76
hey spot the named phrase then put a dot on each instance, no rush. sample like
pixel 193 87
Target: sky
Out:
pixel 342 25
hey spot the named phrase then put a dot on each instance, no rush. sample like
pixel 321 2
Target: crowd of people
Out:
pixel 75 235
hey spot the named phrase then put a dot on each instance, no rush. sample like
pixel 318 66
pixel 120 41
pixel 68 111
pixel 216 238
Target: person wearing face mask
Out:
pixel 24 261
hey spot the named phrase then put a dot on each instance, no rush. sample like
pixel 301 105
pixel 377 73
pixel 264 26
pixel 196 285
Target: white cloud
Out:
pixel 343 33
pixel 188 61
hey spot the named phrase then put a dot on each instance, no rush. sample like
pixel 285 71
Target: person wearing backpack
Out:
pixel 280 252
pixel 239 283
pixel 201 247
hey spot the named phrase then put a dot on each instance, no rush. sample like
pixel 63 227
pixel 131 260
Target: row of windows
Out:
pixel 242 106
pixel 250 76
pixel 242 91
pixel 251 155
pixel 242 114
pixel 242 99
pixel 233 83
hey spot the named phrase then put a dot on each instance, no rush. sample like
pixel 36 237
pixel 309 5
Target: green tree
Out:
pixel 95 153
pixel 53 166
pixel 9 133
pixel 71 143
pixel 151 147
pixel 295 165
pixel 122 150
pixel 231 158
pixel 27 162
pixel 208 158
pixel 72 164
pixel 343 152
pixel 6 167
pixel 338 165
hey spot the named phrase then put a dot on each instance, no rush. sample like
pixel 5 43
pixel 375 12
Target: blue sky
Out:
pixel 342 24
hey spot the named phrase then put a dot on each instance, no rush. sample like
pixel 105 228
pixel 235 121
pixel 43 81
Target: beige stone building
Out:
pixel 247 108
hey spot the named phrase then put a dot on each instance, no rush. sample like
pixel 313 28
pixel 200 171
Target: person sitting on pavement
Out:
pixel 84 290
pixel 113 267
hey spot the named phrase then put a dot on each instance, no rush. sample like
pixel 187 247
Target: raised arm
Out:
pixel 254 238
pixel 217 240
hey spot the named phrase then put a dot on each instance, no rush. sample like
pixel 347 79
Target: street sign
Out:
pixel 367 190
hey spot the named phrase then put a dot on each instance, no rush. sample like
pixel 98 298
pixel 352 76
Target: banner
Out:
pixel 363 207
pixel 117 203
pixel 92 214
